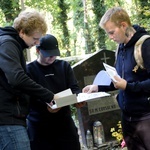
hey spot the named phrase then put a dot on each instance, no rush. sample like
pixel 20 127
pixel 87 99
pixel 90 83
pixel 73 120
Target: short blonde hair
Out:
pixel 115 15
pixel 30 21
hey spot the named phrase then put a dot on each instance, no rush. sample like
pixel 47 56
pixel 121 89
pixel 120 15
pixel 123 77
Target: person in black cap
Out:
pixel 53 129
pixel 48 46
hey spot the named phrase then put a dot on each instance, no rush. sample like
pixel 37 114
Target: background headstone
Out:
pixel 106 109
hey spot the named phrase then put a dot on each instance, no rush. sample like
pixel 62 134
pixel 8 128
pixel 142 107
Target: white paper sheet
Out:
pixel 111 71
pixel 67 98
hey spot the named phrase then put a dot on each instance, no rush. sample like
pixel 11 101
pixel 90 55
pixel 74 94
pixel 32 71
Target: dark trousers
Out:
pixel 61 137
pixel 137 134
pixel 57 145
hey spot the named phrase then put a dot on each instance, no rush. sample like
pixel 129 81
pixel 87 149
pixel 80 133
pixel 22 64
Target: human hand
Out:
pixel 51 104
pixel 53 110
pixel 79 105
pixel 120 84
pixel 52 101
pixel 90 89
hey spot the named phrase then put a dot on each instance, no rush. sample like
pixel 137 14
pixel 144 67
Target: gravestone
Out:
pixel 106 110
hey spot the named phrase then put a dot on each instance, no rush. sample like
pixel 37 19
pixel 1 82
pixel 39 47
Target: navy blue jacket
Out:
pixel 134 101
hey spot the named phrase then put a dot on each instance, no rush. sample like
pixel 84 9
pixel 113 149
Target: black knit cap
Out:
pixel 48 46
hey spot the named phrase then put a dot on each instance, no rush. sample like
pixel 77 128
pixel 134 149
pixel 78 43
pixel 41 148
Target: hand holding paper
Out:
pixel 120 84
pixel 90 89
pixel 53 110
pixel 79 105
pixel 111 72
pixel 66 97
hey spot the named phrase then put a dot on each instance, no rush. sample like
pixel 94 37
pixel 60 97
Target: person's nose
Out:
pixel 111 36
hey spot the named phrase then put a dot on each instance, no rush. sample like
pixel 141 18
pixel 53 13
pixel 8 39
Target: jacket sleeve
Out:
pixel 106 88
pixel 11 65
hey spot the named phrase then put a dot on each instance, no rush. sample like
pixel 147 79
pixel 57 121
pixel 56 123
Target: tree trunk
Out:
pixel 88 43
pixel 62 20
pixel 99 10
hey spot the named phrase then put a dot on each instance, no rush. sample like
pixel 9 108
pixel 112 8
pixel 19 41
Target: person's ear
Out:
pixel 21 34
pixel 124 25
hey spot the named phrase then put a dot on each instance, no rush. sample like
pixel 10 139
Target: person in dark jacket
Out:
pixel 134 86
pixel 15 85
pixel 55 130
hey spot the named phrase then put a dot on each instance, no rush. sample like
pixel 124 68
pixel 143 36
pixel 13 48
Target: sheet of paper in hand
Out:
pixel 66 97
pixel 111 71
pixel 90 96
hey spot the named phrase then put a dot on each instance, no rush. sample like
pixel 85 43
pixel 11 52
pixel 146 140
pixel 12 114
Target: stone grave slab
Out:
pixel 105 109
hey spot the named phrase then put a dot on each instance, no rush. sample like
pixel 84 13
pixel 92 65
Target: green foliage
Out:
pixel 98 33
pixel 143 17
pixel 2 19
pixel 62 20
pixel 78 14
pixel 65 19
pixel 110 45
pixel 73 112
pixel 10 10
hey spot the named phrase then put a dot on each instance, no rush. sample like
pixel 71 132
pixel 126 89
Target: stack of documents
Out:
pixel 66 97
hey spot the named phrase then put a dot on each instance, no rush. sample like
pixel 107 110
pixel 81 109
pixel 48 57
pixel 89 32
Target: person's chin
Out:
pixel 49 63
pixel 30 47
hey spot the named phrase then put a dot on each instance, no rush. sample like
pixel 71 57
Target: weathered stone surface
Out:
pixel 106 109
